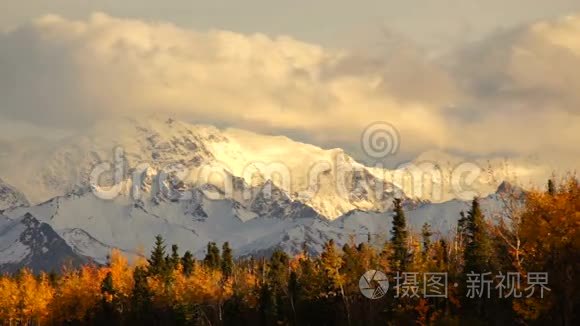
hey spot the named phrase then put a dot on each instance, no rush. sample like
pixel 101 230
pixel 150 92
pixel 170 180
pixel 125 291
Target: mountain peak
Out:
pixel 508 188
pixel 28 242
pixel 10 197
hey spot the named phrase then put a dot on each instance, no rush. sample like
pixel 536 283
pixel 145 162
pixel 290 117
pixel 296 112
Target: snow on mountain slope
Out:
pixel 194 184
pixel 446 171
pixel 329 181
pixel 27 242
pixel 441 216
pixel 47 170
pixel 91 226
pixel 12 250
pixel 10 197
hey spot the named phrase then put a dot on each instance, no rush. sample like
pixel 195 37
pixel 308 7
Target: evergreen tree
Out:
pixel 156 261
pixel 266 306
pixel 278 270
pixel 426 234
pixel 277 279
pixel 175 259
pixel 310 281
pixel 187 263
pixel 212 257
pixel 227 260
pixel 293 293
pixel 444 254
pixel 479 247
pixel 234 309
pixel 107 288
pixel 140 297
pixel 109 301
pixel 551 187
pixel 477 258
pixel 399 237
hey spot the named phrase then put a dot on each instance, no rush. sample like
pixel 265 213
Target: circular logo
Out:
pixel 373 284
pixel 380 139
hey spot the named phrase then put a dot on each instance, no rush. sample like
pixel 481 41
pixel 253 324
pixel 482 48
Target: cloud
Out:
pixel 63 72
pixel 521 90
pixel 513 93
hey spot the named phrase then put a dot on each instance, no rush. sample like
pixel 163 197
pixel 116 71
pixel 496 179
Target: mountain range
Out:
pixel 120 183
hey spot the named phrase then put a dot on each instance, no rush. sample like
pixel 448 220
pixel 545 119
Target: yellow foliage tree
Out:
pixel 35 297
pixel 78 293
pixel 9 299
pixel 550 226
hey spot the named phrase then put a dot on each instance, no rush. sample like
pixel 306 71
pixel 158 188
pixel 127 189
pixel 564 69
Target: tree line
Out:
pixel 537 231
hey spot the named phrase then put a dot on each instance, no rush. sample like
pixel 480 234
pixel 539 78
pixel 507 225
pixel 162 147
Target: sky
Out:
pixel 482 79
pixel 326 22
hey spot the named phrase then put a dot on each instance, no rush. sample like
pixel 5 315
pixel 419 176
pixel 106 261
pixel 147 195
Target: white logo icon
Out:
pixel 373 284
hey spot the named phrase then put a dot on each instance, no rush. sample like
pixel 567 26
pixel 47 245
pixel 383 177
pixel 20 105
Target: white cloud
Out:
pixel 514 93
pixel 522 92
pixel 70 72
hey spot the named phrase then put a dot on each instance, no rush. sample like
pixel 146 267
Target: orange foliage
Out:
pixel 25 299
pixel 78 292
pixel 9 299
pixel 550 226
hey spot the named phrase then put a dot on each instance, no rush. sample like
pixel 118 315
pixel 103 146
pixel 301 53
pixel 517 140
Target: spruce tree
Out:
pixel 175 259
pixel 444 254
pixel 277 279
pixel 107 287
pixel 479 247
pixel 399 237
pixel 293 293
pixel 109 301
pixel 278 270
pixel 156 261
pixel 140 297
pixel 187 263
pixel 426 234
pixel 227 260
pixel 551 187
pixel 477 257
pixel 266 306
pixel 212 257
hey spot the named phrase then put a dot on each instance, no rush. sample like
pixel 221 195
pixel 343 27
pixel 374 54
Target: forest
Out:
pixel 536 234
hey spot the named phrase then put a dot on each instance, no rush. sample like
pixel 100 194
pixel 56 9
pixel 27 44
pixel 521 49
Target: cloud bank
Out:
pixel 515 93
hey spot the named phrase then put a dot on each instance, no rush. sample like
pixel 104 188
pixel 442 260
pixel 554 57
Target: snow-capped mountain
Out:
pixel 329 181
pixel 27 242
pixel 91 227
pixel 10 197
pixel 121 183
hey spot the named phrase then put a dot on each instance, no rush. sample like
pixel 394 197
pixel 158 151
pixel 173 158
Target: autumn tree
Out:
pixel 551 244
